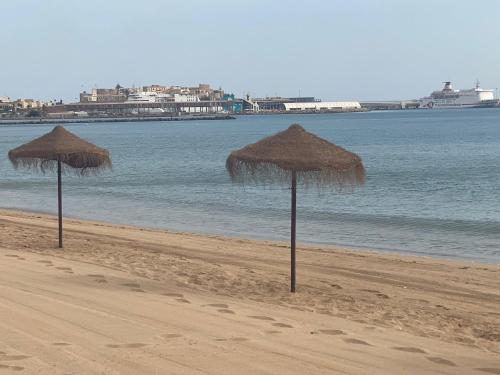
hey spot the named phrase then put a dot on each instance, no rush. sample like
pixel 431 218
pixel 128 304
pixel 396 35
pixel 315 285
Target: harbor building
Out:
pixel 322 106
pixel 169 108
pixel 276 103
pixel 232 104
pixel 155 97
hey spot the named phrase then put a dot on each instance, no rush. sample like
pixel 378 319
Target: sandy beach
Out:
pixel 126 300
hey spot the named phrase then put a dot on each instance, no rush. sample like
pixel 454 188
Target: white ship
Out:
pixel 451 98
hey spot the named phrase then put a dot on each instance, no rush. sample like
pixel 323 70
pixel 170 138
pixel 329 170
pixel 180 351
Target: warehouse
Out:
pixel 323 106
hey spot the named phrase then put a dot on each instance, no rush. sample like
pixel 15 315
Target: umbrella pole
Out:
pixel 59 201
pixel 293 227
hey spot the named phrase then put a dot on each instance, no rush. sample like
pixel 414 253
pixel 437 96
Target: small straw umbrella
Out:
pixel 296 155
pixel 60 149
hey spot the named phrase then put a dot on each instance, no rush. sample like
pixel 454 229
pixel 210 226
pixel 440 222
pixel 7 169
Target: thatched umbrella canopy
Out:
pixel 296 155
pixel 60 149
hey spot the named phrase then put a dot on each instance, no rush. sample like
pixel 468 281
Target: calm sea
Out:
pixel 433 181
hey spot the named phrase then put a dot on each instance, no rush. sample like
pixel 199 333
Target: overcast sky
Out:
pixel 331 49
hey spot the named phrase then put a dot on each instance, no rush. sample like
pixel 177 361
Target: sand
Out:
pixel 125 300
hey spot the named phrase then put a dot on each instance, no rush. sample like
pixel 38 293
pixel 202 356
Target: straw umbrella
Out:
pixel 296 155
pixel 60 149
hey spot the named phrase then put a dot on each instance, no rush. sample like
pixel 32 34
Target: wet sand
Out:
pixel 125 300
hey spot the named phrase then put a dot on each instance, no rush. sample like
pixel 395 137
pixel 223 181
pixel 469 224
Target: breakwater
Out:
pixel 46 120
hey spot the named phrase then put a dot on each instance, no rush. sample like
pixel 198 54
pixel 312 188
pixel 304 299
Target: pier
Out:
pixel 90 120
pixel 205 106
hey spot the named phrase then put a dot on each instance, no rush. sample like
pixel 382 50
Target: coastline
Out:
pixel 361 305
pixel 113 119
pixel 328 246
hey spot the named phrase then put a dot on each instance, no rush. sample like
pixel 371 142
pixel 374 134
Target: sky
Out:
pixel 330 49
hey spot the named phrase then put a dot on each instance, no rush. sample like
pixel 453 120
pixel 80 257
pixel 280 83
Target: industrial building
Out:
pixel 134 108
pixel 322 106
pixel 390 105
pixel 276 103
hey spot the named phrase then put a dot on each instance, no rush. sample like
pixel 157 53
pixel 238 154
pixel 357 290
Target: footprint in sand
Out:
pixel 98 278
pixel 442 307
pixel 237 339
pixel 221 305
pixel 441 361
pixel 173 295
pixel 376 292
pixel 362 321
pixel 60 344
pixel 282 325
pixel 409 349
pixel 127 346
pixel 336 286
pixel 170 335
pixel 260 317
pixel 489 370
pixel 226 311
pixel 131 285
pixel 134 287
pixel 14 357
pixel 356 341
pixel 13 368
pixel 333 332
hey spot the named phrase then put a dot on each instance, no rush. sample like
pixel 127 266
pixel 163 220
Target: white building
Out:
pixel 186 98
pixel 155 97
pixel 322 106
pixel 149 97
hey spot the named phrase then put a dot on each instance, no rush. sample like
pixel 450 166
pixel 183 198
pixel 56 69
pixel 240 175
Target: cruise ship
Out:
pixel 451 98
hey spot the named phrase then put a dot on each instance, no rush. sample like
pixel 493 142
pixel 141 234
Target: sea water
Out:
pixel 432 186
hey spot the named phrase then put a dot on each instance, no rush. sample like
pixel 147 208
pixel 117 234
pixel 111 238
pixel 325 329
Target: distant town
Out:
pixel 202 101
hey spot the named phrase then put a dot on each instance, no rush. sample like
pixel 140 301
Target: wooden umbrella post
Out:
pixel 293 231
pixel 59 201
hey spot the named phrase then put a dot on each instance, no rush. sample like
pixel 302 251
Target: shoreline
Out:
pixel 92 120
pixel 144 292
pixel 325 245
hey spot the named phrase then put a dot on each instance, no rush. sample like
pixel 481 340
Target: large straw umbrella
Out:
pixel 296 155
pixel 62 150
